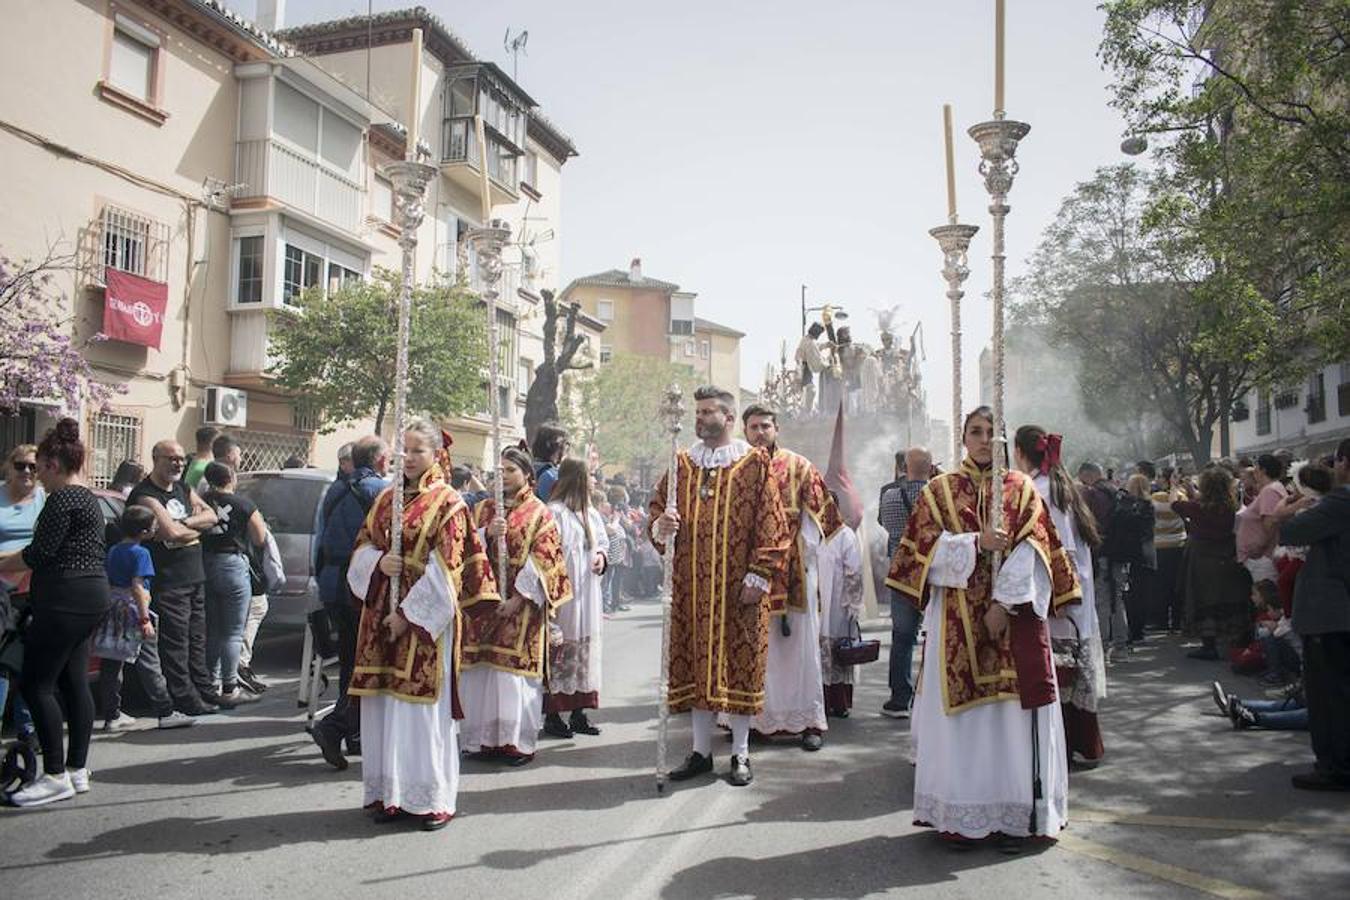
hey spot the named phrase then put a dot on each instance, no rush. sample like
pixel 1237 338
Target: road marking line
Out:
pixel 1108 817
pixel 1154 869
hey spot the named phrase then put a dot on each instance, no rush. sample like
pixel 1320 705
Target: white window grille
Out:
pixel 304 418
pixel 270 449
pixel 116 438
pixel 133 243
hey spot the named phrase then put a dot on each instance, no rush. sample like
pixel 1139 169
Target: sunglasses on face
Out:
pixel 25 467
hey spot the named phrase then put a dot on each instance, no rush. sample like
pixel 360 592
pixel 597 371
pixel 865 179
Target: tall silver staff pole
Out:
pixel 998 140
pixel 672 411
pixel 410 180
pixel 954 240
pixel 487 242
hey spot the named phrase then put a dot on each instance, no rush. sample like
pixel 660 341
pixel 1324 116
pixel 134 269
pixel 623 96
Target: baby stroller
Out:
pixel 19 765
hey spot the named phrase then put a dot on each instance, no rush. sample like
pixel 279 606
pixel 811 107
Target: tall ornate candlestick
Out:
pixel 488 242
pixel 410 181
pixel 998 139
pixel 954 240
pixel 672 412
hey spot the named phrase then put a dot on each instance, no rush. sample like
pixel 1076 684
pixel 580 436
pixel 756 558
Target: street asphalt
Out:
pixel 241 806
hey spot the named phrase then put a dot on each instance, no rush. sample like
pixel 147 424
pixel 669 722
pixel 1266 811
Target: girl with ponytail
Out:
pixel 1076 638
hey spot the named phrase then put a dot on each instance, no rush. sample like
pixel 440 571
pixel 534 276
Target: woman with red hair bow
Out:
pixel 1076 637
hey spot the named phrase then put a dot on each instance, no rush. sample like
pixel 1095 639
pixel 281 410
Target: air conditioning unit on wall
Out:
pixel 225 406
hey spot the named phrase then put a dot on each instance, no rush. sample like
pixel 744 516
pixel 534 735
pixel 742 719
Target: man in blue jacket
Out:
pixel 340 519
pixel 1322 619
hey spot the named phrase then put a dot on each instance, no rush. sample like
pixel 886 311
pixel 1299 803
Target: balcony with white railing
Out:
pixel 271 169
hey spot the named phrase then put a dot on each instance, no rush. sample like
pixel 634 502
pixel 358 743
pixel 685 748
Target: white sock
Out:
pixel 740 735
pixel 703 729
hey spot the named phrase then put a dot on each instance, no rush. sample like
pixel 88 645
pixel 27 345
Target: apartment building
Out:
pixel 647 316
pixel 525 153
pixel 1308 418
pixel 209 160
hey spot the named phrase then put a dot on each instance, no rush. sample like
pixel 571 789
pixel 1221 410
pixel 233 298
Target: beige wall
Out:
pixel 725 370
pixel 641 318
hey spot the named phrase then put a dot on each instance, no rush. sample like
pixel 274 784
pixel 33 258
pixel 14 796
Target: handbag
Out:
pixel 119 635
pixel 854 651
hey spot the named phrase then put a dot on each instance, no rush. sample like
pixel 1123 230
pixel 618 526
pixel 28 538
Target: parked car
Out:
pixel 290 501
pixel 111 504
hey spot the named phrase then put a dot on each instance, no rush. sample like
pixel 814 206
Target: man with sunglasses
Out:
pixel 178 595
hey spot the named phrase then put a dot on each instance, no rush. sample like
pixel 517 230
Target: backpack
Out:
pixel 1129 528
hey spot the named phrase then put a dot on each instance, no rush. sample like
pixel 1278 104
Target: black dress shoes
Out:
pixel 740 771
pixel 580 724
pixel 330 745
pixel 813 741
pixel 554 726
pixel 697 764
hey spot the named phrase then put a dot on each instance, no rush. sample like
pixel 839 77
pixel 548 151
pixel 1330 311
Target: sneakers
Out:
pixel 1241 717
pixel 79 780
pixel 176 719
pixel 121 723
pixel 1220 696
pixel 236 697
pixel 249 680
pixel 47 789
pixel 895 709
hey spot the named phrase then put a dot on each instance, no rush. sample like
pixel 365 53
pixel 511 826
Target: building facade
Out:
pixel 1308 418
pixel 202 156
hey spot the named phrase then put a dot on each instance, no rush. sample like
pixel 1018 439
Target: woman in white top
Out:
pixel 574 665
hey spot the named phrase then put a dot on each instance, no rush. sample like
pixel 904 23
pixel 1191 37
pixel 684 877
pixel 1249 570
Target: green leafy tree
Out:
pixel 338 352
pixel 617 409
pixel 1159 328
pixel 1246 104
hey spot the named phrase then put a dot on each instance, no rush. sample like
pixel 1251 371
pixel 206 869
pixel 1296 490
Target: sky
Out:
pixel 744 149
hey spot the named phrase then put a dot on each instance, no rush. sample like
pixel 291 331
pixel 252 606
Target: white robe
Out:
pixel 575 667
pixel 974 767
pixel 1081 622
pixel 794 697
pixel 839 563
pixel 504 709
pixel 409 751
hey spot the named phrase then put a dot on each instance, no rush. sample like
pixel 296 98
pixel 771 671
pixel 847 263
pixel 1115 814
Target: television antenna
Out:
pixel 516 46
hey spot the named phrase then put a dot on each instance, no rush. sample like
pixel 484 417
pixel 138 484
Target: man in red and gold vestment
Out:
pixel 794 701
pixel 731 542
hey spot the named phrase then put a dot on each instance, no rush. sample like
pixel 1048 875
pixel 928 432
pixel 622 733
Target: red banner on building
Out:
pixel 133 308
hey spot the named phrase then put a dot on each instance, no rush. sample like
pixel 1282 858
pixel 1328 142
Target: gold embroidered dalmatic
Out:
pixel 975 668
pixel 802 489
pixel 517 644
pixel 436 531
pixel 731 524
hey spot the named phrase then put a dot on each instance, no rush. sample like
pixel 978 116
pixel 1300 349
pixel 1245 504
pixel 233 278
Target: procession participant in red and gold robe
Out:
pixel 731 541
pixel 794 703
pixel 405 667
pixel 987 718
pixel 503 659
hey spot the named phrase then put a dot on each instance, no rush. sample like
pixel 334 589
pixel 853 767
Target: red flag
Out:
pixel 133 308
pixel 837 479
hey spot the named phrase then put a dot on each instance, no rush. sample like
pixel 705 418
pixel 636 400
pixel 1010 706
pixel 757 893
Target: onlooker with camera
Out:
pixel 1256 525
pixel 225 558
pixel 178 595
pixel 69 600
pixel 1322 619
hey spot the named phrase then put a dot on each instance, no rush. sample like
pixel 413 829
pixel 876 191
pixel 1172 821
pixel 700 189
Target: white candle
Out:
pixel 999 18
pixel 415 97
pixel 951 161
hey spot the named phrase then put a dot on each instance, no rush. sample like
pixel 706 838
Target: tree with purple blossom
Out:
pixel 38 357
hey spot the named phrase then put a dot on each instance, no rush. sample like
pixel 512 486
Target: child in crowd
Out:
pixel 130 570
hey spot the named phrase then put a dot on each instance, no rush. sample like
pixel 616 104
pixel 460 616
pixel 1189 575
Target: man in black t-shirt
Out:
pixel 178 594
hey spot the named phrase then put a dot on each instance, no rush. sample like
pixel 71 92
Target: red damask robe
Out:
pixel 436 531
pixel 731 523
pixel 976 669
pixel 802 489
pixel 517 644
